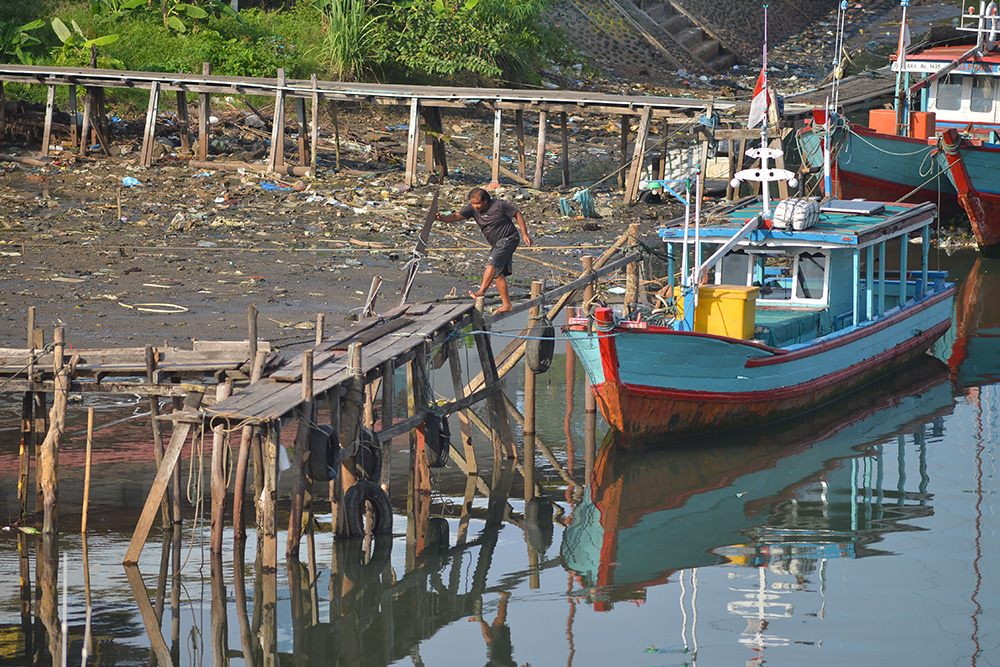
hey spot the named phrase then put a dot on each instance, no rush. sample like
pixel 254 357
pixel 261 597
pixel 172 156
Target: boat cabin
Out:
pixel 783 287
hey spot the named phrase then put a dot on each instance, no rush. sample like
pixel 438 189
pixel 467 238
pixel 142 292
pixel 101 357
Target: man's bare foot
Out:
pixel 475 295
pixel 503 309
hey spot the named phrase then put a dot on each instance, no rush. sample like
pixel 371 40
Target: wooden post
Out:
pixel 3 112
pixel 564 158
pixel 277 156
pixel 623 157
pixel 495 174
pixel 522 164
pixel 435 141
pixel 350 430
pixel 463 416
pixel 85 127
pixel 163 475
pixel 204 110
pixel 412 136
pixel 149 135
pixel 529 375
pixel 540 150
pixel 502 435
pixel 86 471
pixel 632 270
pixel 48 462
pixel 242 460
pixel 267 524
pixel 252 331
pixel 299 480
pixel 300 119
pixel 74 109
pixel 336 135
pixel 183 122
pixel 314 130
pixel 638 152
pixel 388 407
pixel 661 173
pixel 709 110
pixel 154 414
pixel 50 103
pixel 220 443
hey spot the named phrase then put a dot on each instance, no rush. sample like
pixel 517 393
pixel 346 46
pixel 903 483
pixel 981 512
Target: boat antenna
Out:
pixel 838 51
pixel 904 42
pixel 766 190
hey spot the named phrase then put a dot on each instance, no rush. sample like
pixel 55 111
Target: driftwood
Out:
pixel 30 161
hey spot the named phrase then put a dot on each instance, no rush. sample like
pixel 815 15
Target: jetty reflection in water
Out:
pixel 861 534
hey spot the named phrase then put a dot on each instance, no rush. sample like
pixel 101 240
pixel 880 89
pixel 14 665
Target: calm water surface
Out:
pixel 865 535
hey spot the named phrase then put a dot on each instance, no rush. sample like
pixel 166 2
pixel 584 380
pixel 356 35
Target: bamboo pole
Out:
pixel 495 175
pixel 529 375
pixel 50 103
pixel 86 473
pixel 204 109
pixel 314 130
pixel 564 158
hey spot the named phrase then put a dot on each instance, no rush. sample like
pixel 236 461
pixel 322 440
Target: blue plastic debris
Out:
pixel 130 181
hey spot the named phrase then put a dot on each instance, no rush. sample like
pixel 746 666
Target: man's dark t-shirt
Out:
pixel 496 221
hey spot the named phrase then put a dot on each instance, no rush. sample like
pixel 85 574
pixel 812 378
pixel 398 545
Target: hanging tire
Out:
pixel 437 440
pixel 540 346
pixel 538 523
pixel 369 456
pixel 324 447
pixel 361 497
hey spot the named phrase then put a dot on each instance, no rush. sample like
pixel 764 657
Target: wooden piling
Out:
pixel 638 153
pixel 86 472
pixel 501 433
pixel 48 462
pixel 623 157
pixel 522 165
pixel 154 418
pixel 306 417
pixel 74 109
pixel 204 110
pixel 277 156
pixel 50 103
pixel 182 427
pixel 246 440
pixel 564 157
pixel 220 445
pixel 388 408
pixel 149 133
pixel 540 150
pixel 350 431
pixel 632 270
pixel 252 331
pixel 85 126
pixel 320 326
pixel 463 415
pixel 300 119
pixel 183 122
pixel 412 136
pixel 314 130
pixel 590 403
pixel 336 135
pixel 266 520
pixel 529 375
pixel 495 174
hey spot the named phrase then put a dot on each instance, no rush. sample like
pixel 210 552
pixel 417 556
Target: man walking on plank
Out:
pixel 495 218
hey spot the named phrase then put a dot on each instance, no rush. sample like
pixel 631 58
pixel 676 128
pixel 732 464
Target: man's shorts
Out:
pixel 501 254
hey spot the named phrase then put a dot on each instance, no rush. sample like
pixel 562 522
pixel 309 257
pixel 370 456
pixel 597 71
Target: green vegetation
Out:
pixel 472 41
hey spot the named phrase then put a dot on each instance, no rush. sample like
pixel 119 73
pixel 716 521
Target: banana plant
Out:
pixel 75 42
pixel 176 12
pixel 15 41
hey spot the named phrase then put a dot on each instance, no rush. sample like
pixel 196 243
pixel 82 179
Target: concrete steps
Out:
pixel 691 37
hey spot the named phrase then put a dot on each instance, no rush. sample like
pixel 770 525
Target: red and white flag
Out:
pixel 760 102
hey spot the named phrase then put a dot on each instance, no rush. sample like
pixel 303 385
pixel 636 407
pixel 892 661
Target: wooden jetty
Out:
pixel 340 392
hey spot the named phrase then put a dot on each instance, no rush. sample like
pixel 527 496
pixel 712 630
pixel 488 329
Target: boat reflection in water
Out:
pixel 803 490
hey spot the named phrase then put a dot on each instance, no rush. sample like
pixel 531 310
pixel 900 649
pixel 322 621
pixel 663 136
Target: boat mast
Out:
pixel 904 41
pixel 766 189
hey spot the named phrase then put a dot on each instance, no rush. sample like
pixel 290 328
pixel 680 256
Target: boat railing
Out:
pixel 986 24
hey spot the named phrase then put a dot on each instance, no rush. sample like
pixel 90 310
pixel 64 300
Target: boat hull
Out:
pixel 885 166
pixel 657 385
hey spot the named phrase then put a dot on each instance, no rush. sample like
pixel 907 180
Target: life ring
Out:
pixel 361 497
pixel 993 21
pixel 540 346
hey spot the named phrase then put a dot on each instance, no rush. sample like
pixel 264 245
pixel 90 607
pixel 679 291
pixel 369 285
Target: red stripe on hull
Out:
pixel 644 415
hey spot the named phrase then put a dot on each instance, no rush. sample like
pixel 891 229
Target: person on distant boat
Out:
pixel 495 218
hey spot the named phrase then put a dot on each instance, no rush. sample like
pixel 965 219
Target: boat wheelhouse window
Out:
pixel 981 100
pixel 809 277
pixel 735 269
pixel 949 93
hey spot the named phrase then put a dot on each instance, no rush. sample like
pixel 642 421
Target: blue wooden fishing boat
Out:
pixel 775 322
